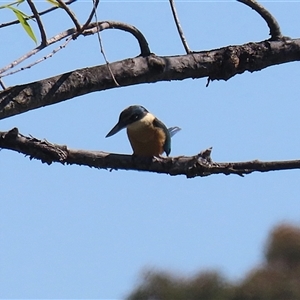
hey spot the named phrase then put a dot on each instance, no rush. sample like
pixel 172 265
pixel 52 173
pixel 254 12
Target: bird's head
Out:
pixel 128 116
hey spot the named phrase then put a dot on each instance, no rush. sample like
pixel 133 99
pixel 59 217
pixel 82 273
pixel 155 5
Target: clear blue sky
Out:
pixel 75 232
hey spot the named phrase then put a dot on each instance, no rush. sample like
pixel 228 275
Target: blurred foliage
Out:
pixel 284 247
pixel 161 285
pixel 277 279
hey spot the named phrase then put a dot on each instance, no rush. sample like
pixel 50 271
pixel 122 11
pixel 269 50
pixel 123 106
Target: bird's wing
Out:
pixel 167 144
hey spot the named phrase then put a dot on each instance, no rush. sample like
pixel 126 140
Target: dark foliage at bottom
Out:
pixel 277 279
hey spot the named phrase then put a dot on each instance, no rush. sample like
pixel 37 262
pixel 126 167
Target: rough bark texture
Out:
pixel 198 165
pixel 222 63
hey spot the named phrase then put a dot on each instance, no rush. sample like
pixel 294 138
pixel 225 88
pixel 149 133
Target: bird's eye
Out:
pixel 134 117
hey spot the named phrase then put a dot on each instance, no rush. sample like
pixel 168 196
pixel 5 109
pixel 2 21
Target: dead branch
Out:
pixel 275 32
pixel 91 29
pixel 194 166
pixel 220 64
pixel 179 29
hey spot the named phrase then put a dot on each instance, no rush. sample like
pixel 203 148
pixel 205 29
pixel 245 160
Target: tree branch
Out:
pixel 102 49
pixel 89 19
pixel 271 21
pixel 34 51
pixel 91 29
pixel 194 166
pixel 54 51
pixel 94 27
pixel 222 63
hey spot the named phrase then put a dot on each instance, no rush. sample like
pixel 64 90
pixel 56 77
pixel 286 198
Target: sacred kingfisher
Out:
pixel 147 135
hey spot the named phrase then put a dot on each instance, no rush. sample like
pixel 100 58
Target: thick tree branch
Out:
pixel 194 166
pixel 222 63
pixel 275 32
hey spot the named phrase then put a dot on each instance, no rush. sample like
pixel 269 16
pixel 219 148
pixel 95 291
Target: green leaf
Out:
pixel 18 2
pixel 53 2
pixel 22 19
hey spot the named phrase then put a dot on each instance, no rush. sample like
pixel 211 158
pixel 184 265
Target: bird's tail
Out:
pixel 173 130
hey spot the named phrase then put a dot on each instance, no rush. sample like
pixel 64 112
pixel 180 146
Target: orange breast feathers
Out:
pixel 145 139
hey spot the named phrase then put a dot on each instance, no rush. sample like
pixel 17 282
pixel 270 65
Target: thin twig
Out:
pixel 50 41
pixel 182 37
pixel 88 21
pixel 69 39
pixel 40 13
pixel 92 28
pixel 102 49
pixel 2 84
pixel 70 13
pixel 275 32
pixel 39 22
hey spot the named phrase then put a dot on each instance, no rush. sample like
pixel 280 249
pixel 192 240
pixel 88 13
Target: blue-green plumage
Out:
pixel 167 143
pixel 148 136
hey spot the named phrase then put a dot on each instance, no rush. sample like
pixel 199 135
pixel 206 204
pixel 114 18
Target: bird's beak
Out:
pixel 116 129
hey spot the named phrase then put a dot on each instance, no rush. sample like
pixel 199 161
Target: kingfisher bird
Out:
pixel 147 135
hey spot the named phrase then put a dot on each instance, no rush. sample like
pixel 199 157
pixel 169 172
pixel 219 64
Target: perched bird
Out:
pixel 148 136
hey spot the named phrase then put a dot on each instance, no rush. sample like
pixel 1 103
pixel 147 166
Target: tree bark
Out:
pixel 193 166
pixel 218 64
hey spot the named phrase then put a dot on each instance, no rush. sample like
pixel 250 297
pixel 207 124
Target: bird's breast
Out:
pixel 146 139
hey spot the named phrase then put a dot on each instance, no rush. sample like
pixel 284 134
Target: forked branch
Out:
pixel 91 28
pixel 63 5
pixel 89 19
